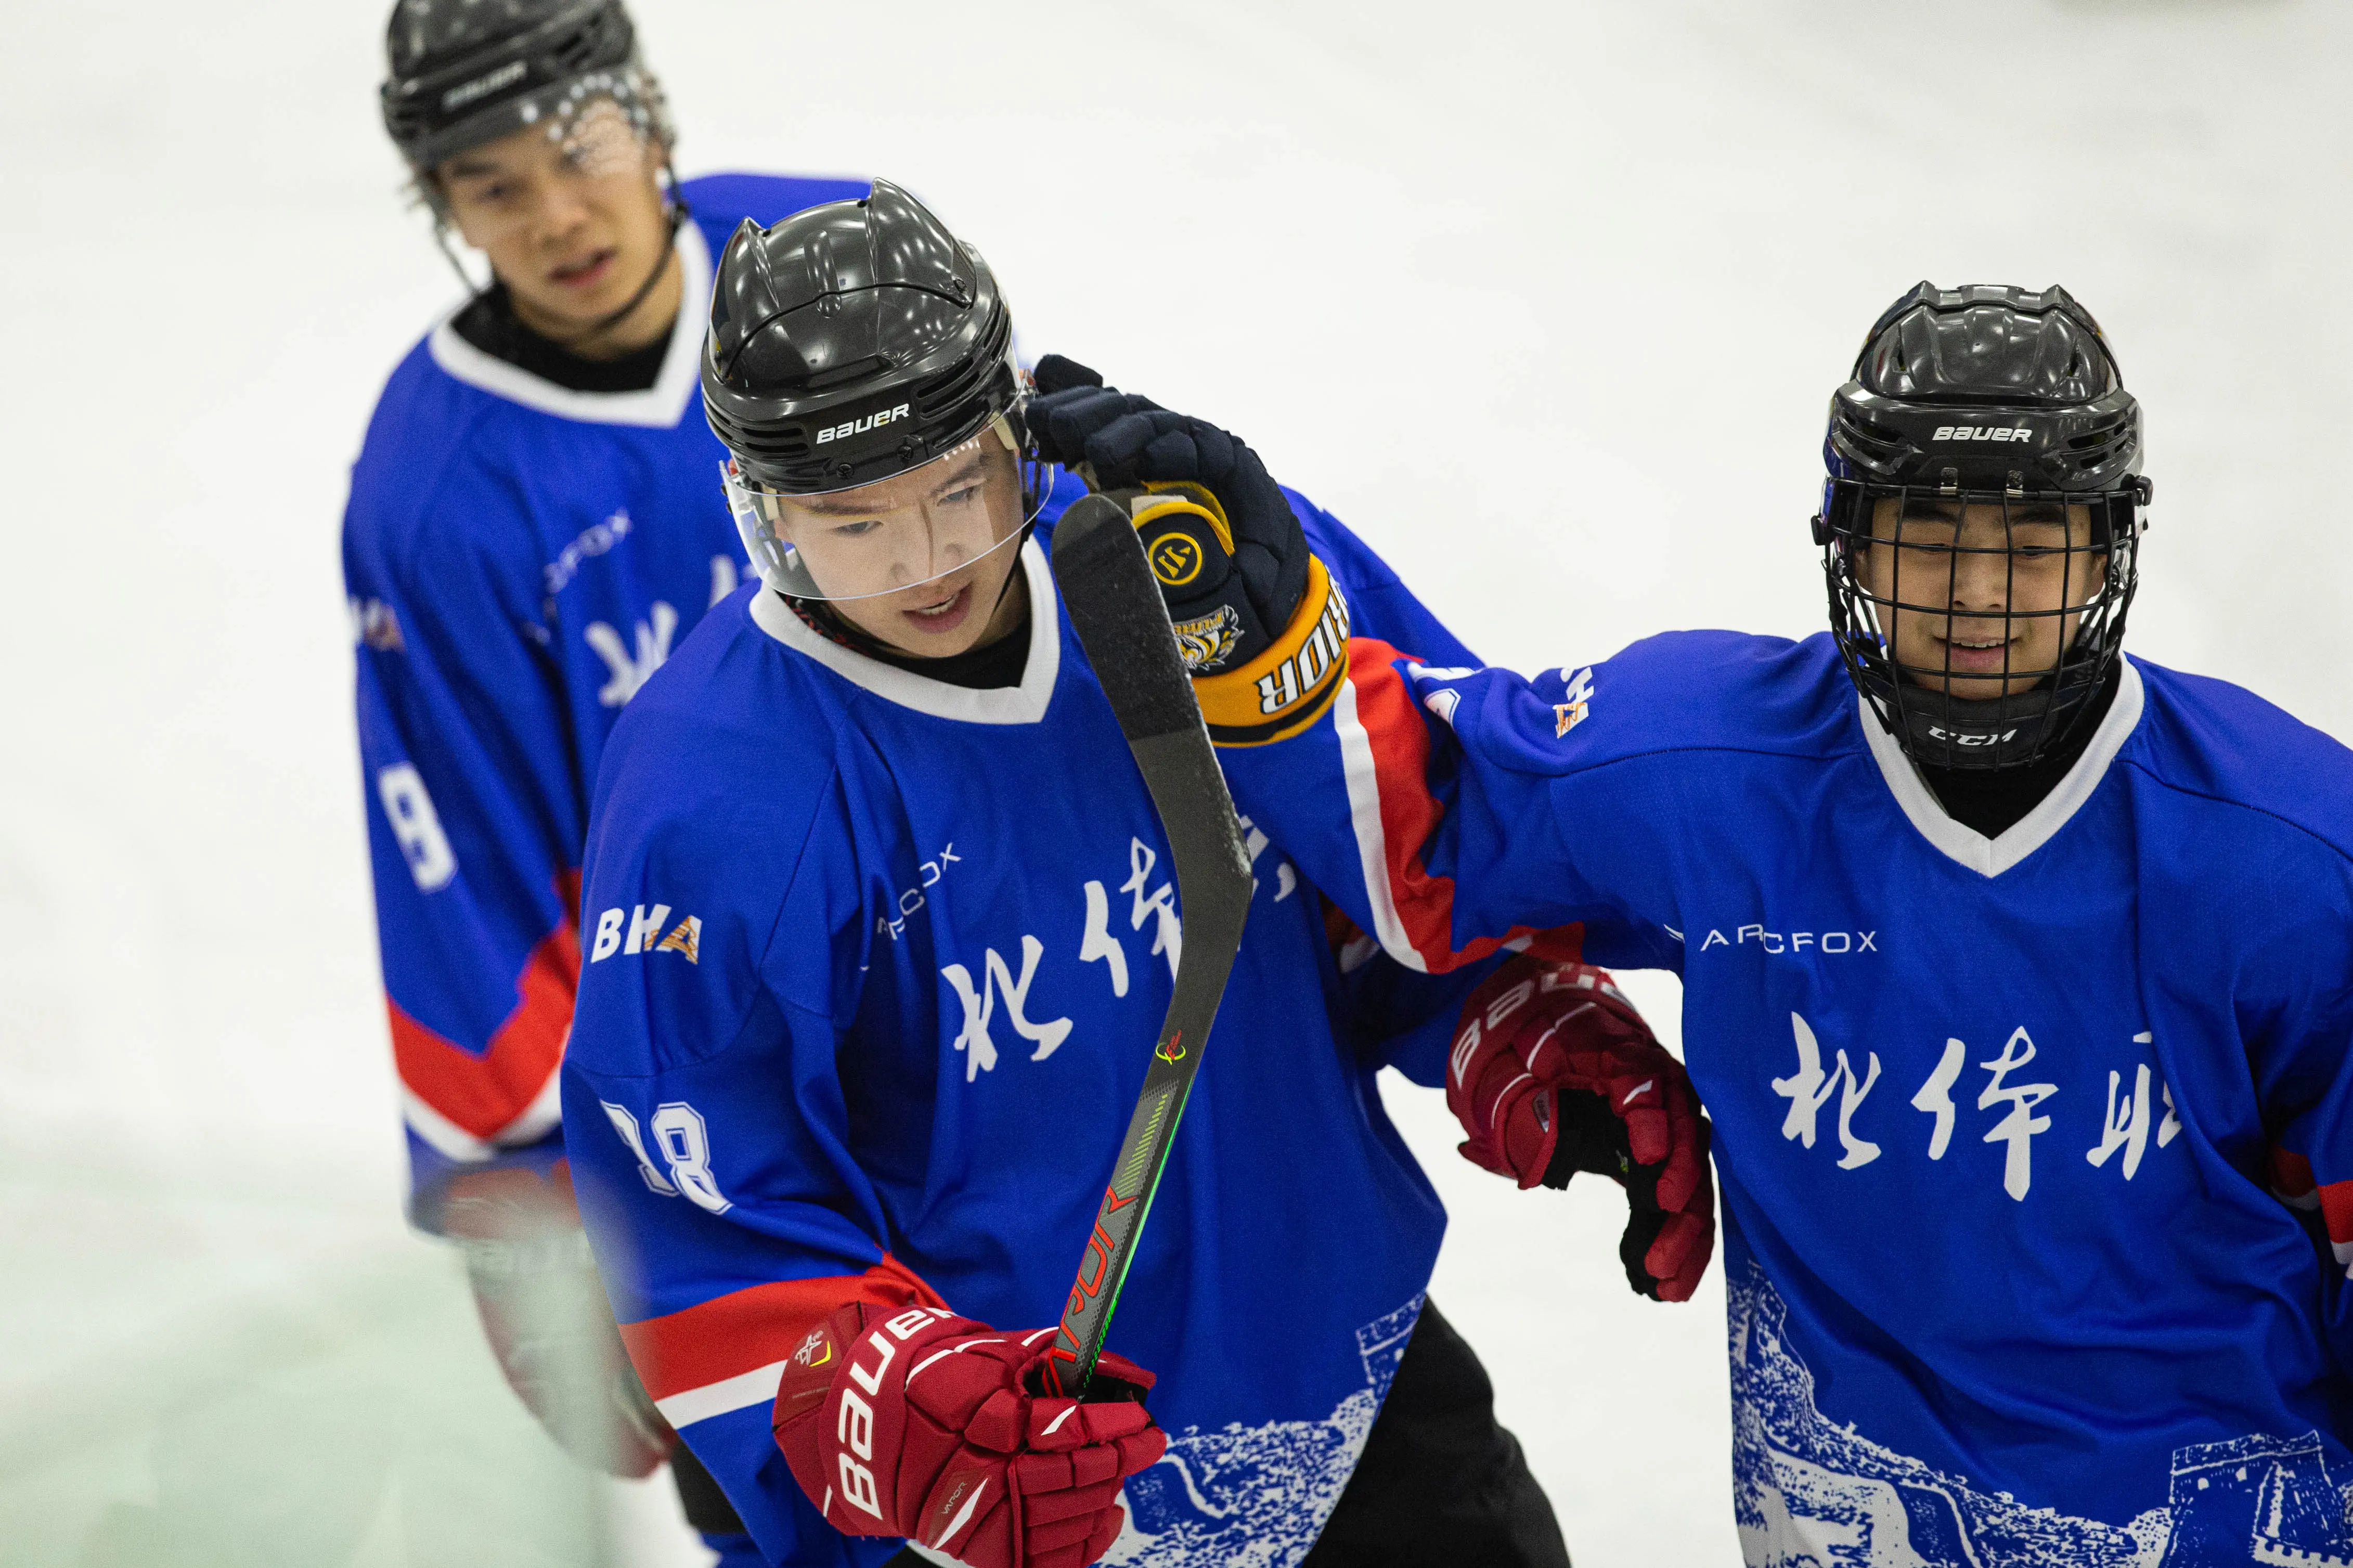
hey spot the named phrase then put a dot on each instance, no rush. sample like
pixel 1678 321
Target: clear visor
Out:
pixel 921 527
pixel 582 148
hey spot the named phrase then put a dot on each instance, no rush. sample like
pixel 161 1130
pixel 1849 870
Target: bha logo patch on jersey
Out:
pixel 1576 704
pixel 860 427
pixel 645 934
pixel 1982 433
pixel 376 625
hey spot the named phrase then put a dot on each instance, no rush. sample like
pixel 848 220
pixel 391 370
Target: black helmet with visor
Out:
pixel 1981 423
pixel 860 373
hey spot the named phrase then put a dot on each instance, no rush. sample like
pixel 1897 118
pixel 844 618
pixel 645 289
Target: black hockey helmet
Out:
pixel 1982 397
pixel 851 344
pixel 463 72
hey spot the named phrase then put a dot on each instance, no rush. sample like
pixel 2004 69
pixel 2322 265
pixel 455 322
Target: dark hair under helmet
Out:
pixel 1982 397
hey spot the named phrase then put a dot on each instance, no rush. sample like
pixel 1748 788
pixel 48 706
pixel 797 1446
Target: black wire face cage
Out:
pixel 1944 557
pixel 634 91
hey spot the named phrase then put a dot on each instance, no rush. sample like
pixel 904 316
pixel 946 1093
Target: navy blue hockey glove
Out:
pixel 1228 553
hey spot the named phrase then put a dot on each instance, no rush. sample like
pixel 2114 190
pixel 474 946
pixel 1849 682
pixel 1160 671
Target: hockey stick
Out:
pixel 1115 607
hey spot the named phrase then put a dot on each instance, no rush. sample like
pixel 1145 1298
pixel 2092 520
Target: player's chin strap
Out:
pixel 1940 730
pixel 441 238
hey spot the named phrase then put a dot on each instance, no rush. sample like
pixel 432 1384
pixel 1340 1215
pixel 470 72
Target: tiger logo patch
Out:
pixel 1207 642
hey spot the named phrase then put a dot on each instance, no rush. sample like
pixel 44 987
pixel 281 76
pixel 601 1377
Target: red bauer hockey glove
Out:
pixel 545 1315
pixel 1554 1072
pixel 920 1424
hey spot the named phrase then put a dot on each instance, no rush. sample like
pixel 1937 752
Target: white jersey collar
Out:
pixel 1022 704
pixel 1992 856
pixel 658 407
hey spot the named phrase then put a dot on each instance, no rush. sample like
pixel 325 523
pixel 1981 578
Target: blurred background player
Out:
pixel 534 520
pixel 2015 977
pixel 881 926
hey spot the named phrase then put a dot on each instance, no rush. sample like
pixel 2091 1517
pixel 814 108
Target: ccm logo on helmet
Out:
pixel 860 427
pixel 1981 433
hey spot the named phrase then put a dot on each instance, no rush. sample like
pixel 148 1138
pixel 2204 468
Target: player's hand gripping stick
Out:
pixel 1257 618
pixel 1554 1072
pixel 1229 556
pixel 914 1422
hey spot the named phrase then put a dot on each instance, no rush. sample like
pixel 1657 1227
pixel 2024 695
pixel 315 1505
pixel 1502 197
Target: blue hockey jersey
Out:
pixel 2003 1125
pixel 519 557
pixel 875 965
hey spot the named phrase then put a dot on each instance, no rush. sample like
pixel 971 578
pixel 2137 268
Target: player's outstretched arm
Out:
pixel 1444 854
pixel 1419 798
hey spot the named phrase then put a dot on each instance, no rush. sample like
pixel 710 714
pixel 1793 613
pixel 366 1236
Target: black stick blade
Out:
pixel 1123 623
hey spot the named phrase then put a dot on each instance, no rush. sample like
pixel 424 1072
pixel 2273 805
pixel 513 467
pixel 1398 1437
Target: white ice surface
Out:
pixel 1545 300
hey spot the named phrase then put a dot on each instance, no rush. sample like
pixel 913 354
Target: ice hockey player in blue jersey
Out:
pixel 533 527
pixel 2016 977
pixel 880 925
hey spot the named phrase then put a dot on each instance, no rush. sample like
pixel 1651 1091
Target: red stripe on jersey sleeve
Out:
pixel 757 1326
pixel 1410 815
pixel 484 1092
pixel 2337 1211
